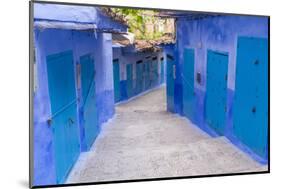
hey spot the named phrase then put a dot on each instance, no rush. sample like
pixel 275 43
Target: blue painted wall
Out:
pixel 169 51
pixel 52 41
pixel 76 14
pixel 46 43
pixel 219 34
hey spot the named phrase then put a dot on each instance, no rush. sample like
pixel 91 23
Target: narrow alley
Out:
pixel 143 141
pixel 125 94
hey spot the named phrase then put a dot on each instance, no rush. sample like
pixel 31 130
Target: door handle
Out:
pixel 49 122
pixel 70 121
pixel 254 110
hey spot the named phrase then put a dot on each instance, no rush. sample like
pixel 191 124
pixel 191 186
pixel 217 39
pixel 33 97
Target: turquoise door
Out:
pixel 129 69
pixel 139 81
pixel 150 73
pixel 250 106
pixel 216 90
pixel 188 84
pixel 89 99
pixel 61 84
pixel 116 78
pixel 146 75
pixel 162 69
pixel 170 83
pixel 154 72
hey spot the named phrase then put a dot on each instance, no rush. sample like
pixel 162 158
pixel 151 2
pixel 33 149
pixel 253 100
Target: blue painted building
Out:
pixel 215 73
pixel 136 71
pixel 218 77
pixel 73 85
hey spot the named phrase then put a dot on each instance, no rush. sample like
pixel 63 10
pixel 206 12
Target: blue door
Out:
pixel 61 84
pixel 116 77
pixel 89 99
pixel 150 74
pixel 162 69
pixel 250 106
pixel 154 71
pixel 188 84
pixel 129 70
pixel 170 83
pixel 139 81
pixel 216 90
pixel 146 75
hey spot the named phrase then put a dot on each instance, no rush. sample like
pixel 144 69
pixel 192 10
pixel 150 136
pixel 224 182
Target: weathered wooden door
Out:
pixel 129 70
pixel 89 99
pixel 139 80
pixel 116 80
pixel 170 90
pixel 188 84
pixel 162 70
pixel 61 84
pixel 216 90
pixel 250 106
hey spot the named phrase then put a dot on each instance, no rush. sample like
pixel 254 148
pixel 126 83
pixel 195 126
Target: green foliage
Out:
pixel 137 21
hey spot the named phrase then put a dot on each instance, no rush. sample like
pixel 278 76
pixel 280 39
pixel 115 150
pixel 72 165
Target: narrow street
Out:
pixel 143 140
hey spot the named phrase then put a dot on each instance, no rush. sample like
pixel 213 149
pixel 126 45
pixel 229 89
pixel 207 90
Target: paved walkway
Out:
pixel 144 141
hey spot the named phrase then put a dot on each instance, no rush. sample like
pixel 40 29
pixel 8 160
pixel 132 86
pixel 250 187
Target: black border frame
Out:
pixel 31 85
